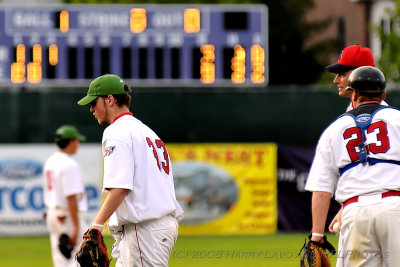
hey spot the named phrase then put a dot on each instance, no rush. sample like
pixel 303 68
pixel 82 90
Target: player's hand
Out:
pixel 98 228
pixel 93 250
pixel 318 239
pixel 338 219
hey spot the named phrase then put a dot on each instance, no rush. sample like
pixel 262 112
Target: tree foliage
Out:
pixel 290 60
pixel 389 35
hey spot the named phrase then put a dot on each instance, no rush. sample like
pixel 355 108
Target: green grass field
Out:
pixel 269 250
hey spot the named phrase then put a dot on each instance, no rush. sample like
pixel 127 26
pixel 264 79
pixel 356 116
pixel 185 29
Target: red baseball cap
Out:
pixel 352 57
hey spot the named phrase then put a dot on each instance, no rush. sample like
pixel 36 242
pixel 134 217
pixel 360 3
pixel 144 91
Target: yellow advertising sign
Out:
pixel 226 188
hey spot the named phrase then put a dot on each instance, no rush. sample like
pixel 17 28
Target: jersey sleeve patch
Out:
pixel 109 150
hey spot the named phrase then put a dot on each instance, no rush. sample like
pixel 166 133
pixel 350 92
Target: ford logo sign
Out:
pixel 19 168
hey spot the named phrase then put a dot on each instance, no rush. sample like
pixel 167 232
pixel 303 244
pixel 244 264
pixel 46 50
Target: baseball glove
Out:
pixel 93 250
pixel 314 254
pixel 65 246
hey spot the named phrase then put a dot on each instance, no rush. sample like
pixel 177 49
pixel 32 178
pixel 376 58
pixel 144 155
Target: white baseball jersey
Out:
pixel 135 158
pixel 63 178
pixel 336 149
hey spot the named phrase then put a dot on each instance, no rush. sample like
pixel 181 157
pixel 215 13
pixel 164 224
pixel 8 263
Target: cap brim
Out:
pixel 87 100
pixel 81 138
pixel 337 68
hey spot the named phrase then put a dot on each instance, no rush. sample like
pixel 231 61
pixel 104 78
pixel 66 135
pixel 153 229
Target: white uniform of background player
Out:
pixel 369 221
pixel 63 189
pixel 140 200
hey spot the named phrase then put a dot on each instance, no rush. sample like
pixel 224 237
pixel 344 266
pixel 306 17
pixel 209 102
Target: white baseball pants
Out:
pixel 370 232
pixel 59 222
pixel 145 244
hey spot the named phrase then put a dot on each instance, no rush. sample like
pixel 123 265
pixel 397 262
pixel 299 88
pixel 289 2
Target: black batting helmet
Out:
pixel 367 79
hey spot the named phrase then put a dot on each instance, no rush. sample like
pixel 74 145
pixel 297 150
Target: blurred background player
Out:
pixel 138 182
pixel 357 159
pixel 64 194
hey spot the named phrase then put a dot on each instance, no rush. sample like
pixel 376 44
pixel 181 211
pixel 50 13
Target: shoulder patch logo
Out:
pixel 109 151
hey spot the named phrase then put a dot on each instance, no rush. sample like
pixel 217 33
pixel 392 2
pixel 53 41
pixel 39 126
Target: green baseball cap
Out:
pixel 68 132
pixel 103 85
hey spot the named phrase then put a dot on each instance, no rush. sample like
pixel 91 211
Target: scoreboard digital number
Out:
pixel 149 45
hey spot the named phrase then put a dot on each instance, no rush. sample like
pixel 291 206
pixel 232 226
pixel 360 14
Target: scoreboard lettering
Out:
pixel 149 45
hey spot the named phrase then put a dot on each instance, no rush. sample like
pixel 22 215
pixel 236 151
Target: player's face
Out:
pixel 99 110
pixel 342 81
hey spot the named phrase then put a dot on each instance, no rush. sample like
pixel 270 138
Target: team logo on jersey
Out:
pixel 109 151
pixel 363 118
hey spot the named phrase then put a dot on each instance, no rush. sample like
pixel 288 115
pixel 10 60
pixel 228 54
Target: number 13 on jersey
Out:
pixel 156 146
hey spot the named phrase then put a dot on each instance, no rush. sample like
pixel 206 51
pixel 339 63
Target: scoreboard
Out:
pixel 148 45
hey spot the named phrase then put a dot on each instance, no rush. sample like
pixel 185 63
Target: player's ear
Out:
pixel 354 96
pixel 109 99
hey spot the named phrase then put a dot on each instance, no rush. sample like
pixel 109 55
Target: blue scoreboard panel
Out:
pixel 148 45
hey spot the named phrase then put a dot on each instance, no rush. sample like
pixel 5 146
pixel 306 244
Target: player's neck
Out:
pixel 67 150
pixel 368 102
pixel 119 113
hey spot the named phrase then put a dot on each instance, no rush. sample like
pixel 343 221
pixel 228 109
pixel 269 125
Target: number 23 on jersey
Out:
pixel 382 144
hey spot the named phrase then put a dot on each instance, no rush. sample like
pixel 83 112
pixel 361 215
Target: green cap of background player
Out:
pixel 103 85
pixel 68 132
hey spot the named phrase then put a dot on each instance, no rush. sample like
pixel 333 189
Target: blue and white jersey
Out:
pixel 338 147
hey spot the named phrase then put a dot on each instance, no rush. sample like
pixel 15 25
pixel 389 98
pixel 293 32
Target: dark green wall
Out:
pixel 282 115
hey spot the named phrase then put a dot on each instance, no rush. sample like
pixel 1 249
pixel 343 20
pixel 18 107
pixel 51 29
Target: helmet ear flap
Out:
pixel 367 79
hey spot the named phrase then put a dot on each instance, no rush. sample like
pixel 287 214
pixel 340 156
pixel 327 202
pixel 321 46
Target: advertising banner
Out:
pixel 294 203
pixel 21 185
pixel 226 188
pixel 223 188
